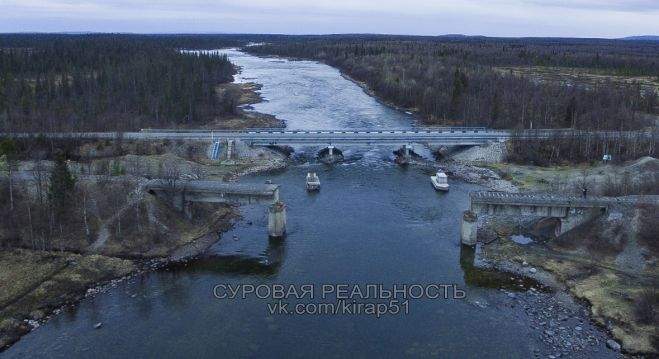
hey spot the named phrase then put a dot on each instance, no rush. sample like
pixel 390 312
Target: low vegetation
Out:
pixel 34 283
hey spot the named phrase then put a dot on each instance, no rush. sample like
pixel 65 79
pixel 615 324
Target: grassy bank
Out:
pixel 35 283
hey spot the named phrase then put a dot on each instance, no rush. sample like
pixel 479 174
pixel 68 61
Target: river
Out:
pixel 372 222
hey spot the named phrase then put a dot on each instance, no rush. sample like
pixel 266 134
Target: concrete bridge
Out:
pixel 182 193
pixel 371 137
pixel 384 136
pixel 571 211
pixel 332 139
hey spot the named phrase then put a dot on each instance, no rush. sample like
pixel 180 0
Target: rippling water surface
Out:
pixel 372 222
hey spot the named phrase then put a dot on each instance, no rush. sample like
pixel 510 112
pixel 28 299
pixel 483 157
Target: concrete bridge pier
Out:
pixel 469 229
pixel 404 154
pixel 330 154
pixel 576 217
pixel 277 220
pixel 407 149
pixel 231 148
pixel 181 204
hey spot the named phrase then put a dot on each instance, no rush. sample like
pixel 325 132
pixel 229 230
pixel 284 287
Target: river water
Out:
pixel 372 222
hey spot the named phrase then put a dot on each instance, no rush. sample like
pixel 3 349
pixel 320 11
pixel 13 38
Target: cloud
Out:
pixel 584 18
pixel 613 5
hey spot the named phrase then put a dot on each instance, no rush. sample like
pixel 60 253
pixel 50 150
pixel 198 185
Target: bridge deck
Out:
pixel 448 136
pixel 535 199
pixel 265 190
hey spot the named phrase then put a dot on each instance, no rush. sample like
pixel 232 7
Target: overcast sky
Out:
pixel 574 18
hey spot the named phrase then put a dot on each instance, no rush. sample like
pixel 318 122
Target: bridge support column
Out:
pixel 330 154
pixel 231 144
pixel 178 200
pixel 277 220
pixel 574 218
pixel 404 154
pixel 187 210
pixel 469 230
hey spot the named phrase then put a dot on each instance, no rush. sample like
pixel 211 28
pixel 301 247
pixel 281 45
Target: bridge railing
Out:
pixel 212 186
pixel 323 131
pixel 490 197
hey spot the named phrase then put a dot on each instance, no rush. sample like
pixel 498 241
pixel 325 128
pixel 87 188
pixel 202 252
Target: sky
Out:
pixel 514 18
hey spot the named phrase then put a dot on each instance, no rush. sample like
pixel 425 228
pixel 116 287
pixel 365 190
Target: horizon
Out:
pixel 448 35
pixel 609 19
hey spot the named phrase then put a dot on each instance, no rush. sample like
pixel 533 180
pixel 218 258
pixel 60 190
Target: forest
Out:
pixel 115 82
pixel 56 82
pixel 469 80
pixel 110 82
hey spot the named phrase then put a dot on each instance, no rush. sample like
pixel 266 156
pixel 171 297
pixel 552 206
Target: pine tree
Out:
pixel 8 153
pixel 60 192
pixel 459 88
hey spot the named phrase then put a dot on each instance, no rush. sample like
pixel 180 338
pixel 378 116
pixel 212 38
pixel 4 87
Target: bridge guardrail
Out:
pixel 492 197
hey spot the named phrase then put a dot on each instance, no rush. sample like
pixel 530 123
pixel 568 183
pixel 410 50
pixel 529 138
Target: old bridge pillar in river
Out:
pixel 277 220
pixel 469 228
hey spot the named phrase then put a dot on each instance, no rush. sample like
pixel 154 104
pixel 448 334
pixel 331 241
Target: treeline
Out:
pixel 582 146
pixel 110 82
pixel 456 81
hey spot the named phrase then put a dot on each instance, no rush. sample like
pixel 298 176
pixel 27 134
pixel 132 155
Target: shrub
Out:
pixel 646 306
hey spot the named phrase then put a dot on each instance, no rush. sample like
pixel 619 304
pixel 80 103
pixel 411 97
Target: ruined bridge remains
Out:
pixel 182 193
pixel 571 211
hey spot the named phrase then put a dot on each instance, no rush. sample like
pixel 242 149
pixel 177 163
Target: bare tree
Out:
pixel 169 174
pixel 83 192
pixel 40 177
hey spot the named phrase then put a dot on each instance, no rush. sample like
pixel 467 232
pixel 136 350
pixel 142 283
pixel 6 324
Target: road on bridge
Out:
pixel 437 136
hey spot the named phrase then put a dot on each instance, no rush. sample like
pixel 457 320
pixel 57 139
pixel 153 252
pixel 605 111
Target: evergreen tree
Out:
pixel 496 108
pixel 7 155
pixel 459 88
pixel 62 184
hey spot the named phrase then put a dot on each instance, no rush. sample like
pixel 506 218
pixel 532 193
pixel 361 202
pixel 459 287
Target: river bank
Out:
pixel 138 235
pixel 608 265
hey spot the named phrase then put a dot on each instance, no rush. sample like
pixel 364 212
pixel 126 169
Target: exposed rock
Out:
pixel 491 153
pixel 612 344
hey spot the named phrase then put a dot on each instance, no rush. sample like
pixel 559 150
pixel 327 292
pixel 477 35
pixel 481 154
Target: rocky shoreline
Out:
pixel 567 324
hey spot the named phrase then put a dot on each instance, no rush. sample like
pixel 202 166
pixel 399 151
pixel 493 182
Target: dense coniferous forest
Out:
pixel 475 81
pixel 110 82
pixel 59 82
